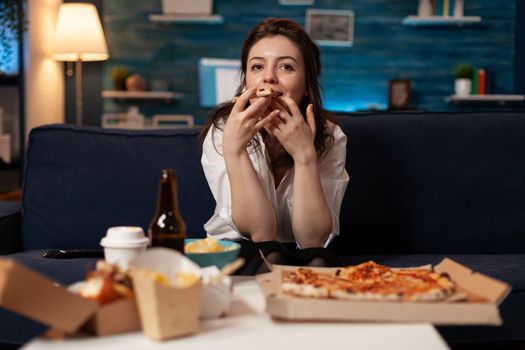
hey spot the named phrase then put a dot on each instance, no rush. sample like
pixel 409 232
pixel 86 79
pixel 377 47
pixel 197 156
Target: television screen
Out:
pixel 218 80
pixel 9 57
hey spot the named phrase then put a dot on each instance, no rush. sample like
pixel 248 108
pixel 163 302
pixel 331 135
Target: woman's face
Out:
pixel 277 63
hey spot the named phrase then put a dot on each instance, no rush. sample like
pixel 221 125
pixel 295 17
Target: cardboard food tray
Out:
pixel 484 295
pixel 166 311
pixel 120 316
pixel 39 298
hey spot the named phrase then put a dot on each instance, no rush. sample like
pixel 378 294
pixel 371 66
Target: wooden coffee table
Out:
pixel 247 327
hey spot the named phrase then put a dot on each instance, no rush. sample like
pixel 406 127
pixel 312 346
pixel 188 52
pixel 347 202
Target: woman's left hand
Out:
pixel 295 133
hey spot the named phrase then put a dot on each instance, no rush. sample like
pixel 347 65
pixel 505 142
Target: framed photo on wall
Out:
pixel 398 94
pixel 331 27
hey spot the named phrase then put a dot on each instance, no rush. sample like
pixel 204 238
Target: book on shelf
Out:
pixel 439 7
pixel 482 87
pixel 489 89
pixel 481 81
pixel 445 8
pixel 451 8
pixel 474 81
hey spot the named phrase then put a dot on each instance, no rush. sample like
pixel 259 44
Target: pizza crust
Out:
pixel 305 290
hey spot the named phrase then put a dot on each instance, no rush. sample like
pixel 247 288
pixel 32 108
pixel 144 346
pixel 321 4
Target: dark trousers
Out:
pixel 283 254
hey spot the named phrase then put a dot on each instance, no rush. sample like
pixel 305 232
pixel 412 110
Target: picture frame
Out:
pixel 218 80
pixel 399 94
pixel 331 27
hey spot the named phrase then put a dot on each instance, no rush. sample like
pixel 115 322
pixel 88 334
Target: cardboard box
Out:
pixel 37 297
pixel 120 316
pixel 188 7
pixel 166 311
pixel 484 295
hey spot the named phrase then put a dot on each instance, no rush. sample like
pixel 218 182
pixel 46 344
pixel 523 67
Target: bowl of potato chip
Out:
pixel 210 251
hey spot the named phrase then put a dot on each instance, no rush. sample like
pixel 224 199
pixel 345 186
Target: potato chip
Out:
pixel 206 245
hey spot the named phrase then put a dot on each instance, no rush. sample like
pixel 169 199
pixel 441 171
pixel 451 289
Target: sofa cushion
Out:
pixel 80 181
pixel 434 183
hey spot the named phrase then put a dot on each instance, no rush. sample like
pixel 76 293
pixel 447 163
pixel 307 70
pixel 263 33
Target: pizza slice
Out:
pixel 265 92
pixel 262 92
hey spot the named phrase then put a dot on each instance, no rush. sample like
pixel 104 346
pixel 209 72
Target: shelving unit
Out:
pixel 440 21
pixel 182 18
pixel 500 99
pixel 142 95
pixel 8 80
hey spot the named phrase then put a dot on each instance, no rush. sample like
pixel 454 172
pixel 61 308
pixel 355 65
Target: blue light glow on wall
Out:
pixel 353 78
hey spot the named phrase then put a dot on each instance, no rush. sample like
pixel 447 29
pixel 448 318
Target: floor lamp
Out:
pixel 79 37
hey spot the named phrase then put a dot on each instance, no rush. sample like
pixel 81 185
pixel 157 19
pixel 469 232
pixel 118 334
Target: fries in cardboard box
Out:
pixel 168 291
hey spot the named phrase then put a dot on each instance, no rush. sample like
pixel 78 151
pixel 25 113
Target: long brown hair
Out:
pixel 312 62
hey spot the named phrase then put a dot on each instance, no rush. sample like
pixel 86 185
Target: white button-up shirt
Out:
pixel 334 180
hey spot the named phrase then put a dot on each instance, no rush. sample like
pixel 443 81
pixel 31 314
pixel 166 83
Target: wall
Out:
pixel 520 48
pixel 44 94
pixel 353 78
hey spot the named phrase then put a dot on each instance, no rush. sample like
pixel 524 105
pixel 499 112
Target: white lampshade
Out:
pixel 78 34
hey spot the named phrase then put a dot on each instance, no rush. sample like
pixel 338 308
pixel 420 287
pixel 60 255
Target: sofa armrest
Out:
pixel 10 229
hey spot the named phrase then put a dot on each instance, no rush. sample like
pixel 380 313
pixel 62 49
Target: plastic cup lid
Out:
pixel 124 237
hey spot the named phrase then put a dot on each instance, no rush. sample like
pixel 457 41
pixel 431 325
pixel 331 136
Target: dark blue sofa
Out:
pixel 422 186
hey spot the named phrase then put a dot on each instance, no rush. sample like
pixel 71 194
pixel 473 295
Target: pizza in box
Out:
pixel 370 281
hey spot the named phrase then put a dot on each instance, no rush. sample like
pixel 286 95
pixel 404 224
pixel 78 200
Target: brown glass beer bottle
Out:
pixel 167 228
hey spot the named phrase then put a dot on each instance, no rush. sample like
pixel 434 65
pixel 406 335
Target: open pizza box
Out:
pixel 483 297
pixel 39 298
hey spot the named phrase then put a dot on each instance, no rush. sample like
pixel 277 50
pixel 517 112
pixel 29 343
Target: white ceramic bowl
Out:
pixel 215 298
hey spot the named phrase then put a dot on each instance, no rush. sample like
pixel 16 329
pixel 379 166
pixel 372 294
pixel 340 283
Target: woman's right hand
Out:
pixel 243 123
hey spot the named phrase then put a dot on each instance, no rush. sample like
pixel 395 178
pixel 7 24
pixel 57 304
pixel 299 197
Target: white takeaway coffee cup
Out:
pixel 122 243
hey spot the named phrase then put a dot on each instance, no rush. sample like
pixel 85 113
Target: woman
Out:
pixel 275 164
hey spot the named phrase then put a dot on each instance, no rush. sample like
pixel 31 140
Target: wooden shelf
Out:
pixel 501 99
pixel 183 18
pixel 142 95
pixel 440 21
